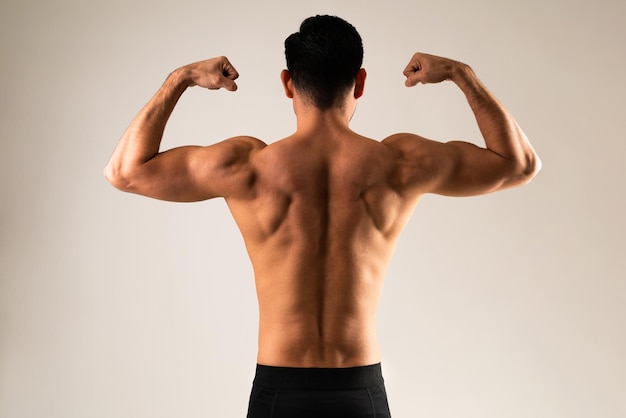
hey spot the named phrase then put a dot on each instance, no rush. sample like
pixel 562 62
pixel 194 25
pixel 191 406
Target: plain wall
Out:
pixel 114 305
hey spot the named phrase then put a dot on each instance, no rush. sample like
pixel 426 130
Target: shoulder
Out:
pixel 418 160
pixel 226 166
pixel 408 144
pixel 415 149
pixel 245 144
pixel 235 150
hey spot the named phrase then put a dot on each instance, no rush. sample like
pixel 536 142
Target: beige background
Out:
pixel 113 305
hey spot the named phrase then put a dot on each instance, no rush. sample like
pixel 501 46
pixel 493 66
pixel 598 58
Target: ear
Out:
pixel 285 78
pixel 359 85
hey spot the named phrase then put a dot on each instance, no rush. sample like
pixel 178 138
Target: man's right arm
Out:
pixel 460 168
pixel 188 173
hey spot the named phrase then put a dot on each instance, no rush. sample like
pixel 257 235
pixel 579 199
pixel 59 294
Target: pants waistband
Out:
pixel 273 377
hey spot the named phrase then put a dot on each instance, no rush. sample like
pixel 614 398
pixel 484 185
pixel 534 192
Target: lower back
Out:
pixel 307 342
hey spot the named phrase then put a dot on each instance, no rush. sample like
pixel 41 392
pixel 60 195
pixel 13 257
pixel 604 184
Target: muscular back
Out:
pixel 320 211
pixel 320 224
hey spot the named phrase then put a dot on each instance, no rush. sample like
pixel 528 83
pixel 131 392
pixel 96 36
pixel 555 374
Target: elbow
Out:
pixel 526 170
pixel 115 176
pixel 532 167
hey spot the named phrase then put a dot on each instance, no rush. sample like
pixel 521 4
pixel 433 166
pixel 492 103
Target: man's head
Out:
pixel 323 59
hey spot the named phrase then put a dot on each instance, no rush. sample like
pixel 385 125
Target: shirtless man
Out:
pixel 320 211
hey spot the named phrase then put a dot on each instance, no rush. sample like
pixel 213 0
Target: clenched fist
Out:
pixel 425 68
pixel 213 74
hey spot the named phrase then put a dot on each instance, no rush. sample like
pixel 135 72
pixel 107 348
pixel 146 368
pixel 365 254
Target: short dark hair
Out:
pixel 324 58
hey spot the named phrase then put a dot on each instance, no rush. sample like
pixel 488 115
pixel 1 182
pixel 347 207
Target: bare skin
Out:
pixel 321 210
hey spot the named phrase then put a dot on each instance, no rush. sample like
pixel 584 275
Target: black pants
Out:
pixel 286 392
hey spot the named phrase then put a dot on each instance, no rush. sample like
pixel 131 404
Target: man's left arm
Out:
pixel 186 173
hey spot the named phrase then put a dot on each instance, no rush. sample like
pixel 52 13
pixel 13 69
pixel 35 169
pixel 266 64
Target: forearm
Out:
pixel 499 129
pixel 142 139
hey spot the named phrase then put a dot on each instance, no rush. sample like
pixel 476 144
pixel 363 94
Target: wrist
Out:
pixel 462 75
pixel 182 77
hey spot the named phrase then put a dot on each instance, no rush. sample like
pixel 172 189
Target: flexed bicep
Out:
pixel 469 170
pixel 195 173
pixel 455 168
